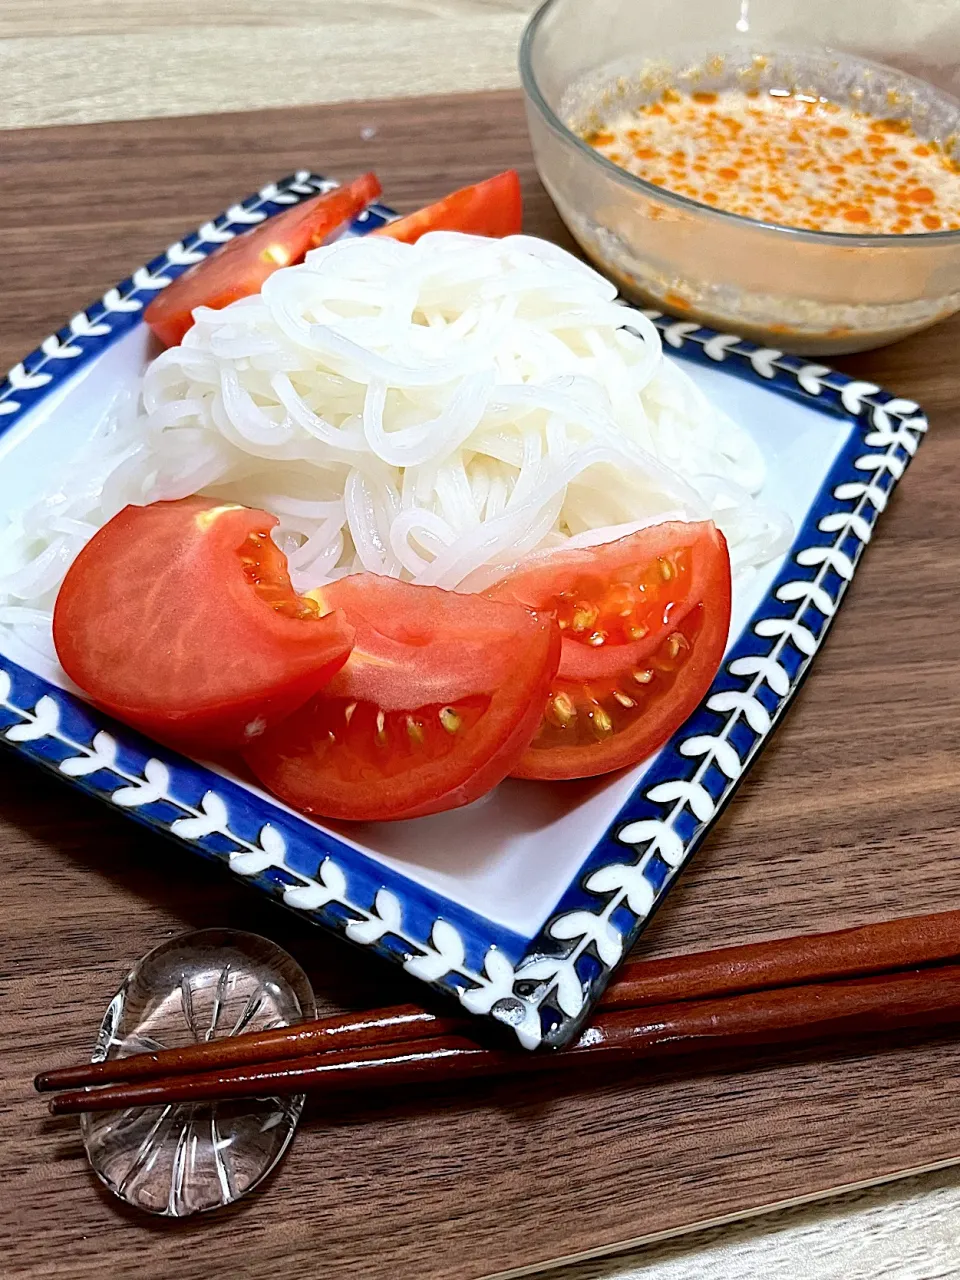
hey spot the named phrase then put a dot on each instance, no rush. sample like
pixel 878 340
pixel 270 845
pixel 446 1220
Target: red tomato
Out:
pixel 491 208
pixel 645 622
pixel 434 707
pixel 180 618
pixel 238 268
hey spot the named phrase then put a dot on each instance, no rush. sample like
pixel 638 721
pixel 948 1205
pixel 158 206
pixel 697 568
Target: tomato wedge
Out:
pixel 238 268
pixel 491 208
pixel 434 707
pixel 180 619
pixel 644 622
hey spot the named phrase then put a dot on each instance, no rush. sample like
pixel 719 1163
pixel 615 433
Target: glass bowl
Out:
pixel 803 291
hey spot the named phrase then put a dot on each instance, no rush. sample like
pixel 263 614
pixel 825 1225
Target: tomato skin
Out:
pixel 163 624
pixel 435 707
pixel 612 706
pixel 238 268
pixel 490 208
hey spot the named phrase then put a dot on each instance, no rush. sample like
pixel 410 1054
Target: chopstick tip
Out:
pixel 64 1104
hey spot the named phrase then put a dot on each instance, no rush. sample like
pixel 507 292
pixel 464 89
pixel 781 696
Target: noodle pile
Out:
pixel 430 411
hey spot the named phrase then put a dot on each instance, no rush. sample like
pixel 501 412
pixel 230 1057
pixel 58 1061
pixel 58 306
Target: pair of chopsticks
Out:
pixel 817 986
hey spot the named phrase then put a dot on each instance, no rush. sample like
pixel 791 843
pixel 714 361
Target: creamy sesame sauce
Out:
pixel 787 158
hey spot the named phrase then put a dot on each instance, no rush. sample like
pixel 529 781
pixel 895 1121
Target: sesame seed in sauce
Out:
pixel 788 158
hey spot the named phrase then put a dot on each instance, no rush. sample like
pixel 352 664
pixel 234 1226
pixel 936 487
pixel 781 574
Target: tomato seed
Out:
pixel 584 615
pixel 643 677
pixel 563 708
pixel 602 723
pixel 449 719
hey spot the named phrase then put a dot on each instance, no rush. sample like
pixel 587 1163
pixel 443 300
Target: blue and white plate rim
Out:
pixel 543 986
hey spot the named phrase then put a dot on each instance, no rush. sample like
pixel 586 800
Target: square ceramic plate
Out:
pixel 521 905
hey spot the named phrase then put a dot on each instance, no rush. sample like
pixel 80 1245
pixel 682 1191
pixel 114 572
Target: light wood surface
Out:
pixel 63 62
pixel 900 1231
pixel 850 815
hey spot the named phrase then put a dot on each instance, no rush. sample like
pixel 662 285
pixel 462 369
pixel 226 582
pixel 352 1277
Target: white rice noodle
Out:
pixel 431 412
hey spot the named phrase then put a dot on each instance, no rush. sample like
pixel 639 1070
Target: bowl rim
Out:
pixel 846 239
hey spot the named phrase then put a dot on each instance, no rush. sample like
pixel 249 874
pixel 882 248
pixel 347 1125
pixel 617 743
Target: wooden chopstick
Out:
pixel 814 1011
pixel 847 953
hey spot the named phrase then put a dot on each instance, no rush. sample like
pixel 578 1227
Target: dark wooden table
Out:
pixel 851 815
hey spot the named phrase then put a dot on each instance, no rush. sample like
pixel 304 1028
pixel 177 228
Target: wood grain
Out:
pixel 68 63
pixel 850 815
